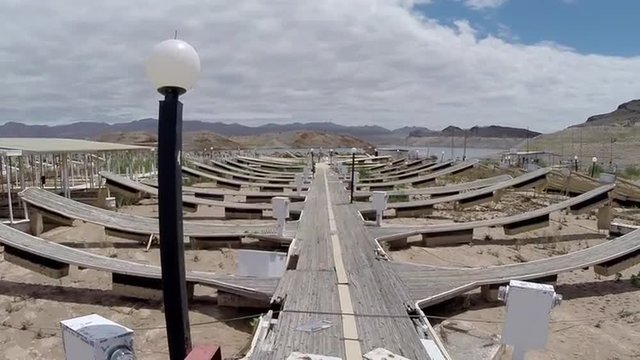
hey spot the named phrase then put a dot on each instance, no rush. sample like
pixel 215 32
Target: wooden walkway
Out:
pixel 429 285
pixel 342 275
pixel 406 173
pixel 192 197
pixel 62 210
pixel 514 224
pixel 416 208
pixel 39 249
pixel 246 170
pixel 421 180
pixel 338 275
pixel 439 190
pixel 259 170
pixel 237 184
pixel 240 176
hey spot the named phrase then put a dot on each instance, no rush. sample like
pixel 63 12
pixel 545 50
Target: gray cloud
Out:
pixel 352 62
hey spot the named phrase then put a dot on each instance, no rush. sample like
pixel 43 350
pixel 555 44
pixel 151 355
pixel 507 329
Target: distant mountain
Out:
pixel 408 130
pixel 492 131
pixel 93 130
pixel 627 114
pixel 502 132
pixel 371 134
pixel 452 130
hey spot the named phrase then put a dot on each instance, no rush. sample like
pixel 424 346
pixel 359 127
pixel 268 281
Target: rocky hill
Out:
pixel 204 140
pixel 302 140
pixel 627 114
pixel 492 131
pixel 139 131
pixel 612 138
pixel 92 129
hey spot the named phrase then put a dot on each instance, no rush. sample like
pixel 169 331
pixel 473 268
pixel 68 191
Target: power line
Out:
pixel 328 313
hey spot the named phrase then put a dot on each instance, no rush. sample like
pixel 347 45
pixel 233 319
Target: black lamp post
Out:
pixel 173 68
pixel 313 165
pixel 575 160
pixel 594 161
pixel 353 171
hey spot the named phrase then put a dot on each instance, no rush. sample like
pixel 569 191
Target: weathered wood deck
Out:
pixel 140 227
pixel 406 173
pixel 232 167
pixel 237 184
pixel 485 194
pixel 338 275
pixel 201 196
pixel 342 274
pixel 258 170
pixel 255 288
pixel 439 190
pixel 513 224
pixel 449 282
pixel 240 176
pixel 421 180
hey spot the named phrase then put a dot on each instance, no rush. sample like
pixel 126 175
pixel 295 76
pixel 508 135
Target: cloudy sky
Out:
pixel 542 64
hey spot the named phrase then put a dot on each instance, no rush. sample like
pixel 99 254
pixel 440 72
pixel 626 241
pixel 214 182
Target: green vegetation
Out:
pixel 364 173
pixel 398 198
pixel 631 172
pixel 595 170
pixel 635 280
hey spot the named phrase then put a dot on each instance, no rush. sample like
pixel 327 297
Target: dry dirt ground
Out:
pixel 32 305
pixel 599 318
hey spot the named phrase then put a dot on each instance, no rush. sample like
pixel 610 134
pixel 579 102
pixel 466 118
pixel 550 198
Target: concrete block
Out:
pixel 41 265
pixel 36 223
pixel 490 292
pixel 254 199
pixel 54 219
pixel 189 207
pixel 217 197
pixel 228 185
pixel 476 200
pixel 140 287
pixel 414 211
pixel 215 243
pixel 525 225
pixel 447 238
pixel 590 204
pixel 604 217
pixel 272 188
pixel 615 266
pixel 236 301
pixel 142 238
pixel 397 243
pixel 231 213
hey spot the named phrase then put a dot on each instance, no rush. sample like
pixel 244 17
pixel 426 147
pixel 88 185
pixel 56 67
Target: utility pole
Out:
pixel 580 143
pixel 464 149
pixel 452 135
pixel 611 152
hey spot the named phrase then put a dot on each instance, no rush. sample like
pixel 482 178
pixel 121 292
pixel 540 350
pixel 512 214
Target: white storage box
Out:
pixel 93 337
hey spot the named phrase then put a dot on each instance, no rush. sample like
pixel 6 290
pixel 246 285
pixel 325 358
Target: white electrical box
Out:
pixel 93 337
pixel 261 263
pixel 528 311
pixel 280 207
pixel 379 200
